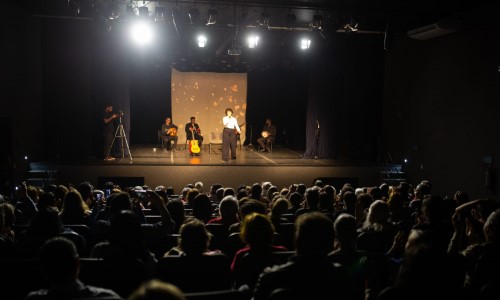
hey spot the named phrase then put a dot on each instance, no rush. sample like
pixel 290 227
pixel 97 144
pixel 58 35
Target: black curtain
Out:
pixel 344 100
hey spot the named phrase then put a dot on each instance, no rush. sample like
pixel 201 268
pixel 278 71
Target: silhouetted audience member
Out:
pixel 347 255
pixel 228 212
pixel 176 209
pixel 74 210
pixel 310 274
pixel 193 240
pixel 311 201
pixel 126 241
pixel 247 207
pixel 60 264
pixel 45 225
pixel 157 290
pixel 257 232
pixel 25 204
pixel 7 235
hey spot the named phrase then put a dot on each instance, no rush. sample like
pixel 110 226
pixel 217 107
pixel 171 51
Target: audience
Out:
pixel 386 243
pixel 61 265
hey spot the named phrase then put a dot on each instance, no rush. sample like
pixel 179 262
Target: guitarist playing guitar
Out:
pixel 169 133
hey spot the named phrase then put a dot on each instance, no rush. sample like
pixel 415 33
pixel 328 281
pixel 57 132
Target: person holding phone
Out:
pixel 24 203
pixel 229 138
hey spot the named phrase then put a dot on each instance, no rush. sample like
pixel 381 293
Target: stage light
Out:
pixel 253 41
pixel 194 16
pixel 317 22
pixel 130 12
pixel 142 33
pixel 212 17
pixel 305 44
pixel 406 160
pixel 160 13
pixel 202 40
pixel 352 26
pixel 26 157
pixel 290 20
pixel 264 19
pixel 143 12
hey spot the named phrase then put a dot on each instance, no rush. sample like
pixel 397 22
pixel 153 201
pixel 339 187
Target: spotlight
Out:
pixel 160 13
pixel 142 33
pixel 317 22
pixel 26 157
pixel 352 26
pixel 253 41
pixel 264 19
pixel 194 16
pixel 406 160
pixel 143 12
pixel 212 17
pixel 202 40
pixel 305 44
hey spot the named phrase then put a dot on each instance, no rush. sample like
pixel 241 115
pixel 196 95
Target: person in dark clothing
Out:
pixel 108 131
pixel 268 136
pixel 61 265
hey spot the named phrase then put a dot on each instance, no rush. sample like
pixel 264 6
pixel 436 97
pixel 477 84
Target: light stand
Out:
pixel 120 133
pixel 250 145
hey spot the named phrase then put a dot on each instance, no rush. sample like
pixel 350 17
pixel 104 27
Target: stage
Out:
pixel 151 165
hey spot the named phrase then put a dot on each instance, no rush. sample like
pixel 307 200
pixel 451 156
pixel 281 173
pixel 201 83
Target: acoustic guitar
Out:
pixel 193 145
pixel 172 131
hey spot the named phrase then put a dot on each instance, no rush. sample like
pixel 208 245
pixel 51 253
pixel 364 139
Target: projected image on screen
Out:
pixel 205 96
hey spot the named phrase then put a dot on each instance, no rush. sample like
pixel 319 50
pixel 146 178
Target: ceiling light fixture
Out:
pixel 317 22
pixel 263 20
pixel 212 17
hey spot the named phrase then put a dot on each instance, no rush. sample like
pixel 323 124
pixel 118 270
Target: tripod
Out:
pixel 250 145
pixel 120 133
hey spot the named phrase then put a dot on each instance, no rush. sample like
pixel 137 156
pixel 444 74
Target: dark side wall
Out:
pixel 441 105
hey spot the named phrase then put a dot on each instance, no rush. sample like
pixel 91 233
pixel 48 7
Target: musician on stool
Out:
pixel 169 133
pixel 267 136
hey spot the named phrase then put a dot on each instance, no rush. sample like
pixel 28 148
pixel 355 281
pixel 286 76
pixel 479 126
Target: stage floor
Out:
pixel 152 166
pixel 211 154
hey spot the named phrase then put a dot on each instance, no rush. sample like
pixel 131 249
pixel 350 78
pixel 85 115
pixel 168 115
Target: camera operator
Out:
pixel 109 131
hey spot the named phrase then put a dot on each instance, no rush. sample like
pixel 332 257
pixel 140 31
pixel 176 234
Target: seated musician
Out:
pixel 193 131
pixel 268 135
pixel 169 133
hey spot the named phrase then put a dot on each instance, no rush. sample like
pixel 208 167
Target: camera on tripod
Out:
pixel 120 113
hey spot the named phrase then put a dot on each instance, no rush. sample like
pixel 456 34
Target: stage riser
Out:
pixel 228 175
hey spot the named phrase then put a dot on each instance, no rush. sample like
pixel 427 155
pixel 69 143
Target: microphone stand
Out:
pixel 250 145
pixel 317 140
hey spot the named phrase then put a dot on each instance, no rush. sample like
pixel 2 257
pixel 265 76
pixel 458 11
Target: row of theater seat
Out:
pixel 198 277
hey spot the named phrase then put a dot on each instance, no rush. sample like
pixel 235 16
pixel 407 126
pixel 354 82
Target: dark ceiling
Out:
pixel 280 20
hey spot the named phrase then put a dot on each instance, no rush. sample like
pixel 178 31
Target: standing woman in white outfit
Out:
pixel 231 129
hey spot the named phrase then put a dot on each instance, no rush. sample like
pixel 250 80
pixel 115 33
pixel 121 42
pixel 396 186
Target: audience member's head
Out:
pixel 157 290
pixel 257 231
pixel 59 260
pixel 314 234
pixel 194 238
